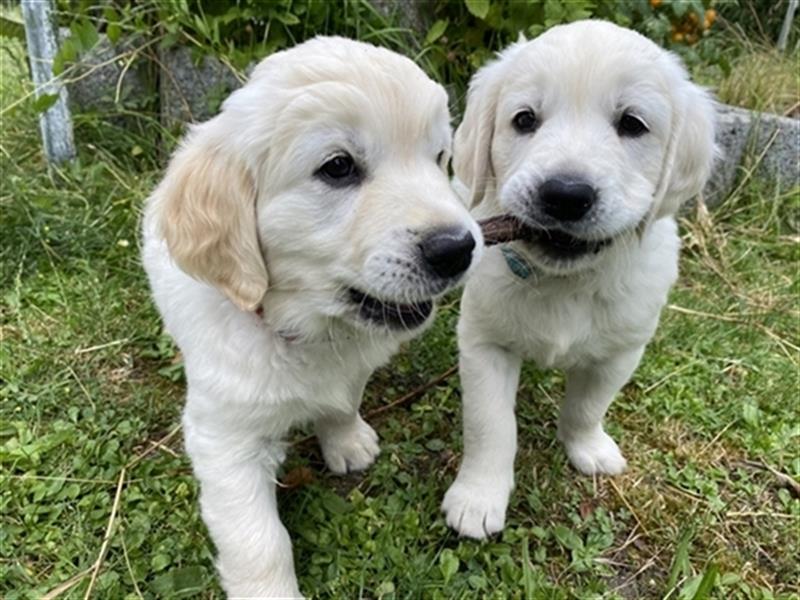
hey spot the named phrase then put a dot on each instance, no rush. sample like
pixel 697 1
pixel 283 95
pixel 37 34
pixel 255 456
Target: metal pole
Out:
pixel 55 123
pixel 787 25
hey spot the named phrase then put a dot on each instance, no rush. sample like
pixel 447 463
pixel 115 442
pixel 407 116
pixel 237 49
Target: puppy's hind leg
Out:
pixel 475 505
pixel 590 390
pixel 236 469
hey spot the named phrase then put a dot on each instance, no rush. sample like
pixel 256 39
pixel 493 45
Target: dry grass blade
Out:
pixel 67 585
pixel 154 446
pixel 129 567
pixel 749 173
pixel 107 537
pixel 64 79
pixel 650 562
pixel 628 506
pixel 785 344
pixel 101 346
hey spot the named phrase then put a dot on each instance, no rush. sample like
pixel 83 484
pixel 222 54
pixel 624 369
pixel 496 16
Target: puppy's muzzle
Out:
pixel 566 199
pixel 447 252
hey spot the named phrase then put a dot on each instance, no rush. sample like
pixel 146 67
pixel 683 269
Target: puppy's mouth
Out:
pixel 393 315
pixel 563 246
pixel 554 243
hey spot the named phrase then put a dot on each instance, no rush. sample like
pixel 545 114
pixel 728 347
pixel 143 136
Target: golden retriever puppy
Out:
pixel 592 136
pixel 296 240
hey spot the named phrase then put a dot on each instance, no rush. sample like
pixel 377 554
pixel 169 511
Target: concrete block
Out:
pixel 749 139
pixel 102 83
pixel 192 90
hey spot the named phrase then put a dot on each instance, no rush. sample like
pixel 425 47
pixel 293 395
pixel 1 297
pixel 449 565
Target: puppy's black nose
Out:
pixel 447 252
pixel 566 199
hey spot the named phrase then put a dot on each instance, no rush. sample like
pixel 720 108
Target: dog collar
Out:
pixel 517 263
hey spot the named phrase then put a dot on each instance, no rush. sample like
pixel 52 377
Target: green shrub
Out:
pixel 450 39
pixel 455 36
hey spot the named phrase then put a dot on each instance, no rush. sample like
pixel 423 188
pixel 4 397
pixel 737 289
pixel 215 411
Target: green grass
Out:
pixel 764 80
pixel 91 395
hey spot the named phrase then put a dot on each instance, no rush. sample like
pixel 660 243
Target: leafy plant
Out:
pixel 463 35
pixel 450 38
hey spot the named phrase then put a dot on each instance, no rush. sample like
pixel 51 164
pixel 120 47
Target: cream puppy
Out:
pixel 296 240
pixel 593 136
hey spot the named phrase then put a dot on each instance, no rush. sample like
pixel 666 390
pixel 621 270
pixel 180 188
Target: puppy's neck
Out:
pixel 299 320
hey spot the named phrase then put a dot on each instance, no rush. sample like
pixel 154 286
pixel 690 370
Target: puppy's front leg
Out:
pixel 348 443
pixel 236 469
pixel 590 390
pixel 475 505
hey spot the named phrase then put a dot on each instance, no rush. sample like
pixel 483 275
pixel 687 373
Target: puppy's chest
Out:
pixel 329 369
pixel 563 330
pixel 554 335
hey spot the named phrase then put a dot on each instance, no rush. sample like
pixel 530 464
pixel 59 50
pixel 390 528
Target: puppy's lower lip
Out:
pixel 390 314
pixel 564 245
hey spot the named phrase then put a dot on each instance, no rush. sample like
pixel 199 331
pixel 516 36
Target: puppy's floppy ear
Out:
pixel 472 144
pixel 207 204
pixel 692 149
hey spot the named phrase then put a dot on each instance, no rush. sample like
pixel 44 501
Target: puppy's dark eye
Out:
pixel 630 126
pixel 525 121
pixel 440 159
pixel 339 171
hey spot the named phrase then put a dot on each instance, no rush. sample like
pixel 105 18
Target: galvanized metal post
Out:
pixel 55 123
pixel 787 25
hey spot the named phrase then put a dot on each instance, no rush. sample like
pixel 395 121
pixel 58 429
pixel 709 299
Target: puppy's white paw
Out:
pixel 594 452
pixel 350 447
pixel 476 511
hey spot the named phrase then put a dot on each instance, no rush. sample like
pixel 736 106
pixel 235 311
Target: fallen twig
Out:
pixel 414 393
pixel 405 399
pixel 784 480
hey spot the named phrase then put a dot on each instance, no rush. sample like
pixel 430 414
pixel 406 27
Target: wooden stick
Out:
pixel 504 228
pixel 414 393
pixel 405 399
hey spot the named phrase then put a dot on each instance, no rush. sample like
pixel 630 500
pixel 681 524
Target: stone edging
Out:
pixel 191 91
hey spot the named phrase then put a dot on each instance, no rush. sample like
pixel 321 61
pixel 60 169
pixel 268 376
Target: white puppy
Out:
pixel 296 240
pixel 593 136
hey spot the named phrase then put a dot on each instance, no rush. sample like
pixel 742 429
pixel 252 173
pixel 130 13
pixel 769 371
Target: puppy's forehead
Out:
pixel 589 55
pixel 349 75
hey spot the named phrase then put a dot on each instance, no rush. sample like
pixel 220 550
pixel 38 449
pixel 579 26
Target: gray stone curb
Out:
pixel 767 143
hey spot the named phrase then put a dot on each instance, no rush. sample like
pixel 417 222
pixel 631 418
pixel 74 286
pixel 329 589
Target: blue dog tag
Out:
pixel 518 265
